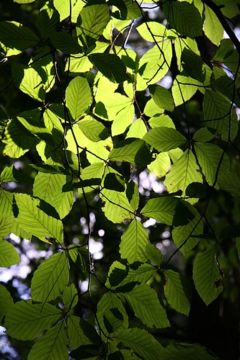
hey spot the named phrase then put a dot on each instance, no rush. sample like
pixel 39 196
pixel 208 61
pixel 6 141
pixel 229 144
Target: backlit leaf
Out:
pixel 211 21
pixel 164 138
pixel 78 96
pixel 133 242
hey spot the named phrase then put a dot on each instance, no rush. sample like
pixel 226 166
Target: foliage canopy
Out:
pixel 96 97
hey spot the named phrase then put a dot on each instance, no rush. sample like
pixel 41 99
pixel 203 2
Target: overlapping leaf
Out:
pixel 49 187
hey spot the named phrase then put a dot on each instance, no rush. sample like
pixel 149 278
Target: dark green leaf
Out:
pixel 184 17
pixel 15 35
pixel 110 65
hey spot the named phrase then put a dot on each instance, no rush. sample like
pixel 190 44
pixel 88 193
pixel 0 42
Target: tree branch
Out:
pixel 216 9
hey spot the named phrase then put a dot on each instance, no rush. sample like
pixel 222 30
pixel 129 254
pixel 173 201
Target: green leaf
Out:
pixel 137 129
pixel 133 242
pixel 27 321
pixel 113 106
pixel 192 64
pixel 164 138
pixel 7 175
pixel 78 96
pixel 17 140
pixel 161 209
pixel 161 120
pixel 154 65
pixel 96 151
pixel 77 64
pixel 183 89
pixel 109 319
pixel 132 193
pixel 184 17
pixel 146 306
pixel 228 176
pixel 227 54
pixel 15 35
pixel 206 275
pixel 33 122
pixel 210 163
pixel 203 135
pixel 32 84
pixel 113 181
pixel 162 97
pixel 110 65
pixel 186 351
pixel 6 213
pixel 51 346
pixel 141 342
pixel 119 275
pixel 220 115
pixel 175 292
pixel 117 207
pixel 70 297
pixel 186 237
pixel 51 278
pixel 6 302
pixel 94 19
pixel 66 8
pixel 93 129
pixel 123 119
pixel 211 22
pixel 49 187
pixel 151 29
pixel 65 42
pixel 133 11
pixel 35 221
pixel 183 172
pixel 161 165
pixel 8 254
pixel 153 254
pixel 134 151
pixel 75 333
